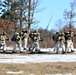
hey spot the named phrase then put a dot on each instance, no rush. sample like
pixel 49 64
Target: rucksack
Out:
pixel 13 38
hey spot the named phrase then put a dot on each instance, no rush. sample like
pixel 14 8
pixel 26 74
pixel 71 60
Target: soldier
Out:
pixel 3 39
pixel 69 42
pixel 66 38
pixel 25 39
pixel 18 42
pixel 35 37
pixel 60 43
pixel 54 37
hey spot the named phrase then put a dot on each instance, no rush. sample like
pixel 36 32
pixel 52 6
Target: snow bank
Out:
pixel 11 72
pixel 59 74
pixel 36 58
pixel 41 49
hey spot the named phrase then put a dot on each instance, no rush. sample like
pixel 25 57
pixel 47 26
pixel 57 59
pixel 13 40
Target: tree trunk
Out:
pixel 29 17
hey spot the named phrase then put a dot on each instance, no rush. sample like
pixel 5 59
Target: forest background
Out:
pixel 17 15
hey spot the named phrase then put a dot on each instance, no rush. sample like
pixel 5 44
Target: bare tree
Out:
pixel 59 25
pixel 71 14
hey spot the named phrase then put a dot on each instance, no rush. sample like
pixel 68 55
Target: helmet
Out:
pixel 57 32
pixel 35 31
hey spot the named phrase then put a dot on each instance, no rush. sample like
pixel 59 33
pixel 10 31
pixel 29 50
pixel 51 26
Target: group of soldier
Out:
pixel 22 37
pixel 64 41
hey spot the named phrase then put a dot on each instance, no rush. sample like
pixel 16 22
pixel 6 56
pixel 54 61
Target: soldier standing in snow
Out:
pixel 61 42
pixel 25 39
pixel 18 42
pixel 35 37
pixel 69 42
pixel 3 39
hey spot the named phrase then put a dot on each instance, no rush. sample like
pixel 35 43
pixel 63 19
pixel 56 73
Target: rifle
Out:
pixel 47 27
pixel 49 23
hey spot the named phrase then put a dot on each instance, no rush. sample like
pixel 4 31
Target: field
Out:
pixel 38 69
pixel 37 64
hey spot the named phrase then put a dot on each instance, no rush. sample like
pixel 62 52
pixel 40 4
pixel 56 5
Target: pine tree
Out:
pixel 20 10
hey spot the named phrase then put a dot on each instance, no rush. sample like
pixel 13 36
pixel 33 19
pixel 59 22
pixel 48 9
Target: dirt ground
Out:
pixel 38 68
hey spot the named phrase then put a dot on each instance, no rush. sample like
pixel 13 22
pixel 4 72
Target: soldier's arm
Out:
pixel 17 38
pixel 6 38
pixel 23 37
pixel 39 37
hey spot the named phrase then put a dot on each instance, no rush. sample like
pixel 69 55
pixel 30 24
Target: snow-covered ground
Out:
pixel 37 58
pixel 41 49
pixel 16 73
pixel 20 58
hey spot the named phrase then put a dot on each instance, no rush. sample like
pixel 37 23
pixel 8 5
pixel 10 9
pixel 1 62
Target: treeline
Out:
pixel 46 35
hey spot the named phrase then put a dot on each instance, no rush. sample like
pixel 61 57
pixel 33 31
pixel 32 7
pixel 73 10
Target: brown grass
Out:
pixel 39 68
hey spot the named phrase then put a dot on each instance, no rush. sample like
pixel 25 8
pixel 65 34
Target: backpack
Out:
pixel 13 38
pixel 54 37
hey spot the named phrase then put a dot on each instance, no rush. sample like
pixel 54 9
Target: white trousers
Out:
pixel 25 43
pixel 69 46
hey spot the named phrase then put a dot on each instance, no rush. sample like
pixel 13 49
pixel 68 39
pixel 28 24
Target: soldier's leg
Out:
pixel 20 47
pixel 68 46
pixel 37 49
pixel 31 48
pixel 57 47
pixel 63 48
pixel 0 44
pixel 4 46
pixel 72 47
pixel 25 44
pixel 14 48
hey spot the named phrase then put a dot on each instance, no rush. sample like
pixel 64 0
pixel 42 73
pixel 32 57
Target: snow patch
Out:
pixel 11 72
pixel 41 49
pixel 59 74
pixel 36 58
